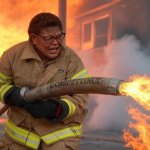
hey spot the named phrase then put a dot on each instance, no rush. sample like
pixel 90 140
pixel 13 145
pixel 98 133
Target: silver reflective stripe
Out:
pixel 22 136
pixel 62 134
pixel 13 133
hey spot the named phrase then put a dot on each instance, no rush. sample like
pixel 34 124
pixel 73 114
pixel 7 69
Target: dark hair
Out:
pixel 43 20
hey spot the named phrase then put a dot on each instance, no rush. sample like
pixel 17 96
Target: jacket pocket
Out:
pixel 72 144
pixel 59 75
pixel 16 116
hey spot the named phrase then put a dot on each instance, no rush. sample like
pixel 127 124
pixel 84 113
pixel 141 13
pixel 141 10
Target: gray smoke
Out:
pixel 123 57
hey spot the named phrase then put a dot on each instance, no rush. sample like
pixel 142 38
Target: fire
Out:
pixel 139 89
pixel 15 16
pixel 3 120
pixel 73 11
pixel 9 37
pixel 142 127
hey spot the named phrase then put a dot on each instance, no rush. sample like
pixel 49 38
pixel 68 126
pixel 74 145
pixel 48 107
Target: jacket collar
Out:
pixel 29 52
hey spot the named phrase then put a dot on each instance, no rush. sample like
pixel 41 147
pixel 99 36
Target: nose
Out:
pixel 54 41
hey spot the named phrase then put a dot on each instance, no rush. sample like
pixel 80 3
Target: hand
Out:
pixel 41 109
pixel 13 97
pixel 55 110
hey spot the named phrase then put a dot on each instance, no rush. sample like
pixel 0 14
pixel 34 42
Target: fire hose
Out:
pixel 93 85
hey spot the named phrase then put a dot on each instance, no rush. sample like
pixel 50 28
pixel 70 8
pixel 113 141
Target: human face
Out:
pixel 48 42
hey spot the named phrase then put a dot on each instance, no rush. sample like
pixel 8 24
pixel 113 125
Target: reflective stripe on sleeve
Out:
pixel 82 74
pixel 74 131
pixel 5 82
pixel 4 79
pixel 3 90
pixel 72 107
pixel 22 136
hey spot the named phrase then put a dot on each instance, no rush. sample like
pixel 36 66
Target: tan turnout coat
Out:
pixel 22 63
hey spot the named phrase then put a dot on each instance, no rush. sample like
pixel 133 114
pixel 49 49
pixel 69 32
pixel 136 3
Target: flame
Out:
pixel 3 120
pixel 74 7
pixel 139 89
pixel 142 127
pixel 15 17
pixel 73 27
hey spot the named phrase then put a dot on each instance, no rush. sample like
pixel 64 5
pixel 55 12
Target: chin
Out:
pixel 54 56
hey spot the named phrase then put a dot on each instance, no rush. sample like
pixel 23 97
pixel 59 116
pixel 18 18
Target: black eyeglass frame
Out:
pixel 50 39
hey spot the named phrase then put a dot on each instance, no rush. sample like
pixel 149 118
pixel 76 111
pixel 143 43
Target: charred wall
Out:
pixel 129 17
pixel 132 17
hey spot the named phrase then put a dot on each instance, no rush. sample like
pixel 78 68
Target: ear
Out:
pixel 33 38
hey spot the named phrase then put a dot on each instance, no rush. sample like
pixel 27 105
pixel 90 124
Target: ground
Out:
pixel 102 141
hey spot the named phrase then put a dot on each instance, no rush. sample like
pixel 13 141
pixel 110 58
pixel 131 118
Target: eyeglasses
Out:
pixel 50 39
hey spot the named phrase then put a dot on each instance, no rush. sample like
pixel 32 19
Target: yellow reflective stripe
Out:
pixel 5 82
pixel 5 76
pixel 71 107
pixel 82 74
pixel 5 79
pixel 73 131
pixel 22 136
pixel 3 90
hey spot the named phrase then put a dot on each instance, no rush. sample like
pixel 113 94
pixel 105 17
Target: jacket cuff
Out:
pixel 71 106
pixel 7 93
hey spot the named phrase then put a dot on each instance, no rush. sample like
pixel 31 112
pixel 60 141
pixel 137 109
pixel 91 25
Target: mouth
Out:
pixel 53 50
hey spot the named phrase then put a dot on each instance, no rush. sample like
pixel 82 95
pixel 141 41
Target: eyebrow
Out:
pixel 52 35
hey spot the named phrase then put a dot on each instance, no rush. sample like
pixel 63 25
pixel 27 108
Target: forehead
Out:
pixel 51 30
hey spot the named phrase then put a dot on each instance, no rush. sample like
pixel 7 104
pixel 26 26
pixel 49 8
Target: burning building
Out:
pixel 91 26
pixel 100 23
pixel 105 20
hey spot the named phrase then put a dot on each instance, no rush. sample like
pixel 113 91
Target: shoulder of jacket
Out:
pixel 16 48
pixel 69 52
pixel 72 57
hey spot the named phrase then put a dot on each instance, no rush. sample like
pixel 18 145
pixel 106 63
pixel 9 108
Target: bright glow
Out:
pixel 142 127
pixel 15 16
pixel 138 88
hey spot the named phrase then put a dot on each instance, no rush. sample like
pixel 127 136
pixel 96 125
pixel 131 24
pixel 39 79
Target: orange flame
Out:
pixel 139 89
pixel 3 120
pixel 15 16
pixel 142 126
pixel 72 24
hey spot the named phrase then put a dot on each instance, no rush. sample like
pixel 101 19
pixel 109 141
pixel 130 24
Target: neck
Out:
pixel 44 59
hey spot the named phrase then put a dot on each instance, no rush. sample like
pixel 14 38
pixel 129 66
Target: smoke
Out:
pixel 138 11
pixel 129 17
pixel 126 56
pixel 123 58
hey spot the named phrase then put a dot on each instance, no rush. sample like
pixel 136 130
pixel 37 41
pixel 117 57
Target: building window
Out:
pixel 101 32
pixel 87 32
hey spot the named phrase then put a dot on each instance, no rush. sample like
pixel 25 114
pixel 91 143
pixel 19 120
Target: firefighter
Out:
pixel 54 123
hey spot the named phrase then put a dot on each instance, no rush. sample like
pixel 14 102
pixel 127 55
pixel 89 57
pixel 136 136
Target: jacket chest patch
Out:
pixel 51 74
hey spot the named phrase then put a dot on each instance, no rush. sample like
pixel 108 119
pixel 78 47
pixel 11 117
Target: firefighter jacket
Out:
pixel 21 66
